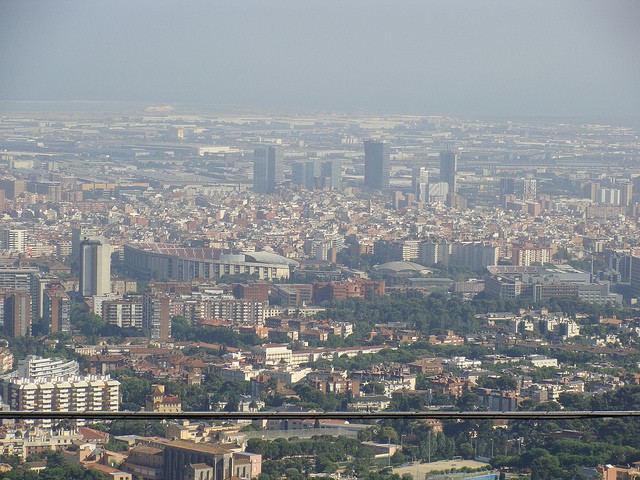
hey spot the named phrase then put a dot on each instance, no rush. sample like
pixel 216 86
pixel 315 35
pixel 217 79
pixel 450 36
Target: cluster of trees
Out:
pixel 294 458
pixel 439 312
pixel 312 398
pixel 194 397
pixel 144 428
pixel 297 458
pixel 182 331
pixel 602 441
pixel 21 347
pixel 433 314
pixel 538 446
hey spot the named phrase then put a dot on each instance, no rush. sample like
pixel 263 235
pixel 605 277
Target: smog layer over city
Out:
pixel 269 239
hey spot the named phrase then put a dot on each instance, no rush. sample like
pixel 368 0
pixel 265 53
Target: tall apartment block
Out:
pixel 56 310
pixel 14 240
pixel 80 232
pixel 635 276
pixel 420 183
pixel 126 313
pixel 267 169
pixel 53 384
pixel 377 165
pixel 40 367
pixel 17 314
pixel 529 189
pixel 156 315
pixel 95 268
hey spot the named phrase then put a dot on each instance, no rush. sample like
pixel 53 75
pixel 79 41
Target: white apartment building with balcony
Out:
pixel 50 385
pixel 92 393
pixel 38 367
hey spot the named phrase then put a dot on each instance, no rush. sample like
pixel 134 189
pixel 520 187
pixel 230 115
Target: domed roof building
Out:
pixel 402 269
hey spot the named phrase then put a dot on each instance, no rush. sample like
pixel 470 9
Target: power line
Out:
pixel 421 415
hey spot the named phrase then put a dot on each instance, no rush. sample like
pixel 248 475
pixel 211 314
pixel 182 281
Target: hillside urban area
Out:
pixel 168 259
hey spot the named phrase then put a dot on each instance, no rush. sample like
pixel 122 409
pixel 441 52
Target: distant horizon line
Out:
pixel 262 109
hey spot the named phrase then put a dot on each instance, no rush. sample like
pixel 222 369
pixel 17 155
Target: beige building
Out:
pixel 92 393
pixel 160 402
pixel 155 260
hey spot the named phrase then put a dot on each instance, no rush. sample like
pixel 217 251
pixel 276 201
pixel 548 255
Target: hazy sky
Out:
pixel 514 57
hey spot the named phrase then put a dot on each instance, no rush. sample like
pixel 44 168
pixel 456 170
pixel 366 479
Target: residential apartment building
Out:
pixel 156 315
pixel 91 393
pixel 56 309
pixel 17 314
pixel 40 367
pixel 350 288
pixel 14 240
pixel 475 255
pixel 95 268
pixel 125 313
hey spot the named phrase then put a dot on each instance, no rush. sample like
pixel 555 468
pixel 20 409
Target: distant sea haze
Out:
pixel 495 57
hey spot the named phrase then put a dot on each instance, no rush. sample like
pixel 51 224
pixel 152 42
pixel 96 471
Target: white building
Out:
pixel 539 361
pixel 93 393
pixel 273 353
pixel 39 367
pixel 14 240
pixel 123 313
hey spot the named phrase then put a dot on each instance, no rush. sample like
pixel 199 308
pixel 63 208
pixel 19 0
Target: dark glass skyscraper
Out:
pixel 376 165
pixel 507 186
pixel 267 169
pixel 313 175
pixel 331 174
pixel 304 173
pixel 448 169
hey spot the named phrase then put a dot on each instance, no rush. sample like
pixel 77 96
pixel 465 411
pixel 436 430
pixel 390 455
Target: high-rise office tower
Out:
pixel 507 186
pixel 626 193
pixel 420 183
pixel 17 314
pixel 317 174
pixel 529 191
pixel 635 275
pixel 331 174
pixel 448 169
pixel 377 162
pixel 13 188
pixel 267 169
pixel 95 268
pixel 79 232
pixel 304 173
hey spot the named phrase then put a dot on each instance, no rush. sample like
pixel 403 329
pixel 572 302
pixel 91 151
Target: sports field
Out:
pixel 421 469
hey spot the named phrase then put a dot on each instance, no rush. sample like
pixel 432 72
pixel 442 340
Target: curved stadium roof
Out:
pixel 402 268
pixel 267 257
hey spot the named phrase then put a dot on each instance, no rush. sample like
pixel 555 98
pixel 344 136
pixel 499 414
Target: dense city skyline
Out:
pixel 172 261
pixel 305 211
